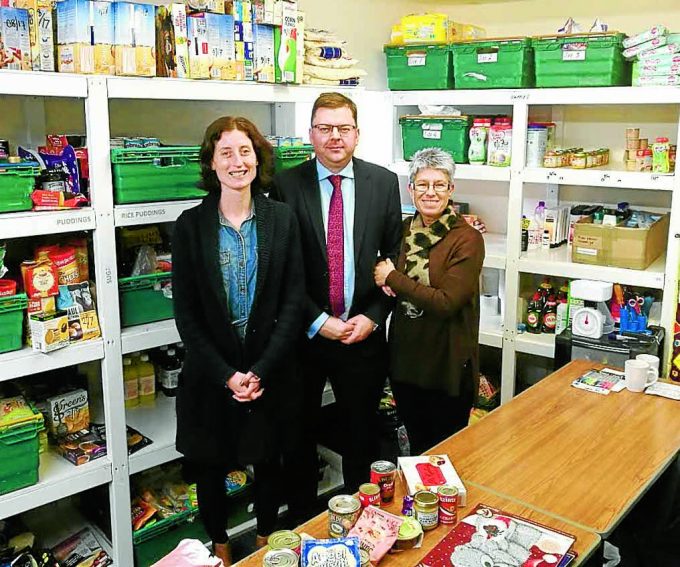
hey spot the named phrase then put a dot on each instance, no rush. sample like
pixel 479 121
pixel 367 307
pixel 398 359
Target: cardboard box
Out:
pixel 263 62
pixel 172 50
pixel 263 11
pixel 300 63
pixel 285 44
pixel 134 39
pixel 618 246
pixel 214 35
pixel 42 25
pixel 15 41
pixel 82 446
pixel 199 50
pixel 68 413
pixel 242 10
pixel 429 472
pixel 200 6
pixel 49 331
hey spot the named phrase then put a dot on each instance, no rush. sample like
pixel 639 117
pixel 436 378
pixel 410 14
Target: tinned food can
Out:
pixel 369 494
pixel 383 474
pixel 285 539
pixel 280 558
pixel 426 507
pixel 448 505
pixel 343 513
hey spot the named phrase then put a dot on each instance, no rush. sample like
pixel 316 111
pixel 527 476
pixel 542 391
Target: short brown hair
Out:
pixel 334 100
pixel 263 151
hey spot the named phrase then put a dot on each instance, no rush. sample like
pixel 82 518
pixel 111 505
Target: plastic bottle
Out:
pixel 538 225
pixel 549 315
pixel 525 233
pixel 130 383
pixel 146 380
pixel 170 370
pixel 158 358
pixel 562 321
pixel 500 143
pixel 478 135
pixel 534 314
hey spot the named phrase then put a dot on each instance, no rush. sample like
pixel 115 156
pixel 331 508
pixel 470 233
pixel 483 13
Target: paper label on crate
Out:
pixel 432 134
pixel 487 57
pixel 586 251
pixel 574 55
pixel 416 59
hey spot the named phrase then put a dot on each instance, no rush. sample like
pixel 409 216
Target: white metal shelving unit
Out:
pixel 378 117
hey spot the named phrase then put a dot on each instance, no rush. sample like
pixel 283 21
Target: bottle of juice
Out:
pixel 170 369
pixel 130 383
pixel 146 380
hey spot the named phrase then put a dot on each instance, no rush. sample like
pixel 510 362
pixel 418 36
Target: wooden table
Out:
pixel 576 455
pixel 586 541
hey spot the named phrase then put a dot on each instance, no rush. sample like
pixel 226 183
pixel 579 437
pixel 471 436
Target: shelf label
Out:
pixel 432 134
pixel 416 59
pixel 487 57
pixel 74 220
pixel 519 96
pixel 143 214
pixel 574 55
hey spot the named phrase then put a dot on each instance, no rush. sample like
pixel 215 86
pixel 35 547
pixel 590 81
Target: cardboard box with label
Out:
pixel 285 44
pixel 263 63
pixel 43 29
pixel 85 37
pixel 429 472
pixel 68 413
pixel 172 50
pixel 263 11
pixel 619 246
pixel 49 331
pixel 215 40
pixel 134 39
pixel 15 41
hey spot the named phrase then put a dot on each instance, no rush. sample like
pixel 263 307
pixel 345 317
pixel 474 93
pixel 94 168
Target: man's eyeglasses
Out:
pixel 343 129
pixel 421 187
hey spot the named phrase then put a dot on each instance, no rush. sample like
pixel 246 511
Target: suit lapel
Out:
pixel 362 205
pixel 312 198
pixel 265 226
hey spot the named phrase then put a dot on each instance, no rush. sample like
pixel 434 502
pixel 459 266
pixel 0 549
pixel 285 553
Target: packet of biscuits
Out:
pixel 49 331
pixel 78 302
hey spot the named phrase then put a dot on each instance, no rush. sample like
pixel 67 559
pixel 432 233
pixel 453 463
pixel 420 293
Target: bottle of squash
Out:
pixel 130 383
pixel 146 380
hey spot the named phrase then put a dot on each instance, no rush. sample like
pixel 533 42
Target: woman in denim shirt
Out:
pixel 237 273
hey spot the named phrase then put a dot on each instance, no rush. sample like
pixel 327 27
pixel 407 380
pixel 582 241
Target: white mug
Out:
pixel 650 359
pixel 640 375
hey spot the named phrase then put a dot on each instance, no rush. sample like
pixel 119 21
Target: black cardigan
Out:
pixel 209 421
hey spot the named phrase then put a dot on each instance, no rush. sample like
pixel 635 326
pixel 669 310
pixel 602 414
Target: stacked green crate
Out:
pixel 493 63
pixel 155 174
pixel 145 299
pixel 11 321
pixel 451 133
pixel 581 60
pixel 286 157
pixel 17 182
pixel 419 67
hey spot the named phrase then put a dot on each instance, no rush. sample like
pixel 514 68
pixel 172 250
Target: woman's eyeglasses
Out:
pixel 421 187
pixel 343 129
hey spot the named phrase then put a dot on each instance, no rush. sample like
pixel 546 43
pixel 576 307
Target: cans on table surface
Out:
pixel 343 513
pixel 280 558
pixel 369 494
pixel 382 474
pixel 285 539
pixel 448 505
pixel 426 506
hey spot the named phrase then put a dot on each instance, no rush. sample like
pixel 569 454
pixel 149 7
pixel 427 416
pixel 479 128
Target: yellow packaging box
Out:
pixel 42 24
pixel 49 332
pixel 86 59
pixel 425 28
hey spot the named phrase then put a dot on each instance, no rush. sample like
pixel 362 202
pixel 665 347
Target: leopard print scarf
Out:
pixel 418 242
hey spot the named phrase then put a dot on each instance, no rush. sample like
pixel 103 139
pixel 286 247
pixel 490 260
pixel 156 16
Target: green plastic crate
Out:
pixel 142 299
pixel 19 454
pixel 286 157
pixel 11 321
pixel 582 60
pixel 17 182
pixel 155 174
pixel 451 133
pixel 505 63
pixel 419 67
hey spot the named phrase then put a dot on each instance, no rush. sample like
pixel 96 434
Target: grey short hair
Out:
pixel 431 158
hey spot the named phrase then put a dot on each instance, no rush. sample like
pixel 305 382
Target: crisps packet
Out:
pixel 340 552
pixel 377 531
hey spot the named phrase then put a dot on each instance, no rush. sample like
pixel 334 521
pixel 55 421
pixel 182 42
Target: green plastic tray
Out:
pixel 19 446
pixel 286 157
pixel 419 67
pixel 142 299
pixel 582 60
pixel 162 526
pixel 11 321
pixel 17 182
pixel 155 174
pixel 493 64
pixel 449 133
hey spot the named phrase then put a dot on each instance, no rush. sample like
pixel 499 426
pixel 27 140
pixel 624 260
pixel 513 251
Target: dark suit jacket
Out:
pixel 377 232
pixel 208 419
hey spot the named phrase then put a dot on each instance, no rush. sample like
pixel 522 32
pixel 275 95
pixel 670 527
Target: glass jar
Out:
pixel 426 506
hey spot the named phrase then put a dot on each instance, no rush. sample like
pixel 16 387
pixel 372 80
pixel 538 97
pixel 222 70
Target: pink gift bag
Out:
pixel 189 553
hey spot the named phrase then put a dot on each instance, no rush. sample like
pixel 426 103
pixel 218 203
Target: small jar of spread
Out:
pixel 426 507
pixel 52 180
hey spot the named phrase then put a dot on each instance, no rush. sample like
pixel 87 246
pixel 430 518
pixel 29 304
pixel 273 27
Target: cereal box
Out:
pixel 429 472
pixel 199 51
pixel 134 39
pixel 68 413
pixel 263 63
pixel 300 63
pixel 172 51
pixel 263 11
pixel 212 6
pixel 285 44
pixel 42 28
pixel 15 43
pixel 213 45
pixel 242 10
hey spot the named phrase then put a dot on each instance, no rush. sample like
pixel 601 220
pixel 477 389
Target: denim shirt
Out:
pixel 238 262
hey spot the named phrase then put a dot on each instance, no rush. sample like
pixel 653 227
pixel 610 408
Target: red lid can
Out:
pixel 8 287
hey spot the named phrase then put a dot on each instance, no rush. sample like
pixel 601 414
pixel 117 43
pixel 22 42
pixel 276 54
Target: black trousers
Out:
pixel 430 416
pixel 213 503
pixel 357 374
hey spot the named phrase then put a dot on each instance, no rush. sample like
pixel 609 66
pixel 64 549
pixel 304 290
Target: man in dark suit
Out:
pixel 349 212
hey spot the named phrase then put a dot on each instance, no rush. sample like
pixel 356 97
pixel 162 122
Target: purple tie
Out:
pixel 335 245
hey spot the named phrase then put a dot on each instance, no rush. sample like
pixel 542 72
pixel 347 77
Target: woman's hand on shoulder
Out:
pixel 382 269
pixel 246 387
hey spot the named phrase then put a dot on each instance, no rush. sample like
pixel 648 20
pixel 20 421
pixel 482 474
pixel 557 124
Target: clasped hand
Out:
pixel 354 330
pixel 383 269
pixel 246 387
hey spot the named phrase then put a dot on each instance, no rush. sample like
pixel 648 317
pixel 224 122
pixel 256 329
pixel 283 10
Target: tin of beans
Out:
pixel 285 539
pixel 448 505
pixel 369 494
pixel 343 513
pixel 383 474
pixel 280 558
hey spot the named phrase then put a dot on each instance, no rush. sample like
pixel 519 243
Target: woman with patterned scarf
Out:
pixel 434 331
